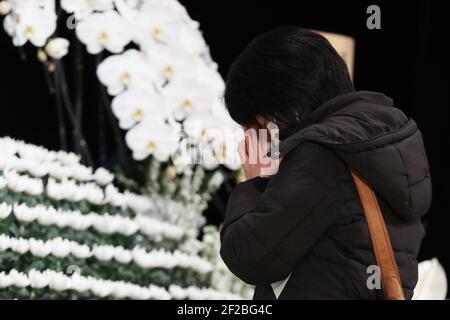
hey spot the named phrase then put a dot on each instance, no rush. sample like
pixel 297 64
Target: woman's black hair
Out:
pixel 284 74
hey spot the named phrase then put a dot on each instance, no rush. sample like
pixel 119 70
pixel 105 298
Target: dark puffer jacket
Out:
pixel 307 220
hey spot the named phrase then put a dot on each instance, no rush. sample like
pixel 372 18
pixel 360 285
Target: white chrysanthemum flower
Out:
pixel 94 194
pixel 107 30
pixel 5 280
pixel 19 279
pixel 81 251
pixel 5 210
pixel 39 248
pixel 103 253
pixel 20 245
pixel 103 176
pixel 33 24
pixel 83 8
pixel 58 281
pixel 122 255
pixel 114 197
pixel 128 70
pixel 79 283
pixel 134 105
pixel 152 137
pixel 80 172
pixel 60 247
pixel 37 279
pixel 57 48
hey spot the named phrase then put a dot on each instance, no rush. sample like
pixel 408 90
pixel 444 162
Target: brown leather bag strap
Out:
pixel 390 277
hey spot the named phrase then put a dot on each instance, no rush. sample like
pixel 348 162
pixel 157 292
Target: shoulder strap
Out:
pixel 390 277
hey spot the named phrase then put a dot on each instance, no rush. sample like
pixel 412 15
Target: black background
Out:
pixel 407 59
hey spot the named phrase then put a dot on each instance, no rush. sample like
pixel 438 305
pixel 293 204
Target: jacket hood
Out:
pixel 376 140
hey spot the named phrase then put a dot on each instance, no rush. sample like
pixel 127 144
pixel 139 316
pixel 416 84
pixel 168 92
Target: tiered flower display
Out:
pixel 66 231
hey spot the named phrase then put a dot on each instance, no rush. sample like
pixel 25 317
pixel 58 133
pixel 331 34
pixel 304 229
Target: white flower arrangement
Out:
pixel 61 248
pixel 171 67
pixel 138 255
pixel 58 281
pixel 103 223
pixel 166 94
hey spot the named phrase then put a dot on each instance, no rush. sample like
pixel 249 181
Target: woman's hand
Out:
pixel 253 153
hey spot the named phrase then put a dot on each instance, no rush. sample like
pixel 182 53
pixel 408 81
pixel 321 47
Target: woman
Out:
pixel 301 233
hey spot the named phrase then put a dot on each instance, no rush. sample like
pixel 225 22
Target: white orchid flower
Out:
pixel 156 23
pixel 210 76
pixel 83 8
pixel 33 23
pixel 106 30
pixel 187 96
pixel 191 39
pixel 152 137
pixel 172 62
pixel 20 5
pixel 133 105
pixel 57 48
pixel 128 70
pixel 202 126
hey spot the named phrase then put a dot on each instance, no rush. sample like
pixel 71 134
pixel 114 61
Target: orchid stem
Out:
pixel 60 79
pixel 59 108
pixel 79 90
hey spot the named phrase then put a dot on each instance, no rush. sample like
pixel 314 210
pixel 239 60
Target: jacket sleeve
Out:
pixel 271 224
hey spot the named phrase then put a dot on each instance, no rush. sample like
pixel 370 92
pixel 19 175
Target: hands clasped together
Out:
pixel 257 151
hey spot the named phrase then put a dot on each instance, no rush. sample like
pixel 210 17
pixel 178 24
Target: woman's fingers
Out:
pixel 251 138
pixel 242 150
